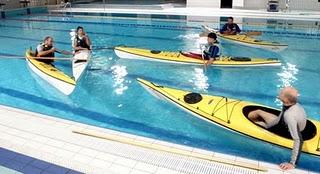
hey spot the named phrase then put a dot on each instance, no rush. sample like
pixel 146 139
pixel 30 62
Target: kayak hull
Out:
pixel 245 40
pixel 51 74
pixel 180 58
pixel 79 63
pixel 231 114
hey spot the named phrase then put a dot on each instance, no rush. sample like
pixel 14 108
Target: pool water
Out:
pixel 109 96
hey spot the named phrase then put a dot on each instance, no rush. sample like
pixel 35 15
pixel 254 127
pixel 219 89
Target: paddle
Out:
pixel 50 58
pixel 253 33
pixel 103 48
pixel 204 62
pixel 208 30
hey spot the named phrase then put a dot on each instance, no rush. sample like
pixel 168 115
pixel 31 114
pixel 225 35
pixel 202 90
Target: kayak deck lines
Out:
pixel 190 58
pixel 234 118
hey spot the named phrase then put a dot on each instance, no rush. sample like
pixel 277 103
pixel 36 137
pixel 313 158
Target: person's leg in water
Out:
pixel 262 118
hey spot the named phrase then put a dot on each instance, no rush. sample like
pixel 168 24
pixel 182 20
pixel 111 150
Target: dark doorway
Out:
pixel 226 3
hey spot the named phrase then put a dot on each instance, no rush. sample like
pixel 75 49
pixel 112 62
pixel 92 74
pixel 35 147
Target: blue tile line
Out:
pixel 109 23
pixel 172 27
pixel 31 39
pixel 29 165
pixel 125 35
pixel 98 33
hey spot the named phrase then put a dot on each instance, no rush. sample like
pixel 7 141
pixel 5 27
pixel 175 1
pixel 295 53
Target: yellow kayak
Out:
pixel 51 74
pixel 246 40
pixel 191 58
pixel 232 114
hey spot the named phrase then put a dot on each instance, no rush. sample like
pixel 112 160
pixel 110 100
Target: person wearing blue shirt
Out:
pixel 230 28
pixel 211 50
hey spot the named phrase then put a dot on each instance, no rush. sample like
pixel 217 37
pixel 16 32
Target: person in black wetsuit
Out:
pixel 230 28
pixel 81 41
pixel 47 50
pixel 293 117
pixel 211 49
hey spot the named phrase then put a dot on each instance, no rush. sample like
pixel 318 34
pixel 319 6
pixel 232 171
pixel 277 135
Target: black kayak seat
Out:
pixel 192 98
pixel 308 133
pixel 241 59
pixel 155 51
pixel 80 60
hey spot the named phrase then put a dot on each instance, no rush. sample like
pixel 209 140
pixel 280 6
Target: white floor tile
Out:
pixel 224 156
pixel 120 169
pixel 101 163
pixel 146 167
pixel 55 143
pixel 162 170
pixel 125 162
pixel 41 139
pixel 65 153
pixel 71 147
pixel 296 171
pixel 106 157
pixel 33 144
pixel 89 152
pixel 246 160
pixel 82 158
pixel 273 171
pixel 202 151
pixel 49 149
pixel 139 172
pixel 269 165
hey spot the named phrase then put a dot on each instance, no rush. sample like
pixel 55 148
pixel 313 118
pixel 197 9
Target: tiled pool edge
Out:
pixel 24 148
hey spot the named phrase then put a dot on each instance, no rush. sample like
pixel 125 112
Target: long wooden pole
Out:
pixel 159 147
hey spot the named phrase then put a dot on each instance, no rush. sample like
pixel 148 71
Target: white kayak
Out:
pixel 80 62
pixel 55 77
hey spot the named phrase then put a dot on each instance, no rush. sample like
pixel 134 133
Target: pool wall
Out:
pixel 23 11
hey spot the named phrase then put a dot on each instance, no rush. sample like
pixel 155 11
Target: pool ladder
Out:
pixel 65 5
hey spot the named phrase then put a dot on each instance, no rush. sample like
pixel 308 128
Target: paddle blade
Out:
pixel 254 33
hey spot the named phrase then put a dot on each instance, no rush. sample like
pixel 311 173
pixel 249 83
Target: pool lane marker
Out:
pixel 163 148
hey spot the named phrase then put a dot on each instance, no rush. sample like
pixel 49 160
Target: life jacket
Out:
pixel 232 27
pixel 80 42
pixel 45 48
pixel 207 52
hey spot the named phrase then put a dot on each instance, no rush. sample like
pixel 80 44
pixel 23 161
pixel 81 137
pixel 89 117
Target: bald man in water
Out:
pixel 292 116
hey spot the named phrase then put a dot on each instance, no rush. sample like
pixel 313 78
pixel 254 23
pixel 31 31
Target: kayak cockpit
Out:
pixel 308 133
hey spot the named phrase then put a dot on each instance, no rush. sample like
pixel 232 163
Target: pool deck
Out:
pixel 88 149
pixel 167 9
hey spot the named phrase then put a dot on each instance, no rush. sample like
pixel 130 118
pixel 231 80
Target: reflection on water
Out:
pixel 200 80
pixel 193 42
pixel 118 76
pixel 287 77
